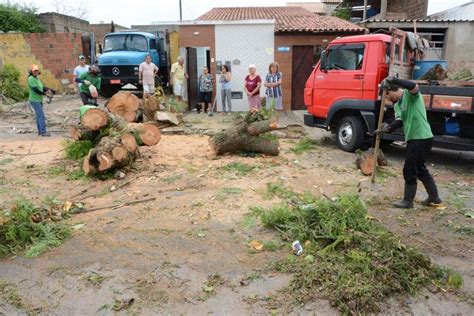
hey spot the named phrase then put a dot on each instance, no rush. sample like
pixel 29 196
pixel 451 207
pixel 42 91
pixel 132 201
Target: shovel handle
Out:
pixel 377 138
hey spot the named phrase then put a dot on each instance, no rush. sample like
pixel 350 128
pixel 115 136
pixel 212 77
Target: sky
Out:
pixel 135 12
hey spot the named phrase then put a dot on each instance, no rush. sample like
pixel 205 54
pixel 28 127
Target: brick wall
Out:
pixel 55 22
pixel 55 53
pixel 409 9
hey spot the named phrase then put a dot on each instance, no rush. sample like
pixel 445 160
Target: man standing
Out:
pixel 80 69
pixel 177 78
pixel 410 112
pixel 91 85
pixel 36 91
pixel 147 72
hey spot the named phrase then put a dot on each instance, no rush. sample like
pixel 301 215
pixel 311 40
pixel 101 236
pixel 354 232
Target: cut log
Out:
pixel 151 104
pixel 147 134
pixel 365 161
pixel 128 140
pixel 167 117
pixel 243 136
pixel 125 105
pixel 95 119
pixel 82 133
pixel 109 153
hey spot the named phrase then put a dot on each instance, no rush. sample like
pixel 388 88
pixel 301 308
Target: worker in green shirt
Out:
pixel 410 112
pixel 36 91
pixel 92 77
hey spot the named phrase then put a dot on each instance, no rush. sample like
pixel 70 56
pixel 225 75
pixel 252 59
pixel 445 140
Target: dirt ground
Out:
pixel 159 257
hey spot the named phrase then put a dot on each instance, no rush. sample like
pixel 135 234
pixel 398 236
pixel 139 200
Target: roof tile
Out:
pixel 287 19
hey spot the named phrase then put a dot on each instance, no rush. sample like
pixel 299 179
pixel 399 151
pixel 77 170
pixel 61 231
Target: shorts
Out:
pixel 255 102
pixel 276 102
pixel 178 89
pixel 149 88
pixel 205 96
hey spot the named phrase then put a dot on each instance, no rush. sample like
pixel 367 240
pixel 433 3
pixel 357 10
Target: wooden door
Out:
pixel 193 85
pixel 302 66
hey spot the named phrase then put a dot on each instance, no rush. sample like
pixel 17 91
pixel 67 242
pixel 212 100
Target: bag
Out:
pixel 93 92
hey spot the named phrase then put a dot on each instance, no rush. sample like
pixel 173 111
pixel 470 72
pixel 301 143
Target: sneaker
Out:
pixel 45 135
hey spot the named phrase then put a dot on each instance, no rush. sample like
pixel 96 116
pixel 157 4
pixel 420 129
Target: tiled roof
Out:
pixel 331 1
pixel 287 19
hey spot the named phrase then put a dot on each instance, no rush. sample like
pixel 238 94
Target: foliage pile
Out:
pixel 24 228
pixel 349 259
pixel 19 18
pixel 77 150
pixel 10 83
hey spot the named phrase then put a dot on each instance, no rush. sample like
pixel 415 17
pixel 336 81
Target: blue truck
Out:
pixel 122 53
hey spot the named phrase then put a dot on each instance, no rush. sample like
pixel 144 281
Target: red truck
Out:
pixel 342 93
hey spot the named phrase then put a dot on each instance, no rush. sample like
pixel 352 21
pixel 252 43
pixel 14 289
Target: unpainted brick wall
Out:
pixel 414 9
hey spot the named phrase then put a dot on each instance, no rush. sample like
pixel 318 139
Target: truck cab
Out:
pixel 122 54
pixel 342 93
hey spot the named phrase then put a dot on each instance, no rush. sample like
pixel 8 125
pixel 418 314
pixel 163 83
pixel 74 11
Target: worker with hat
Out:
pixel 410 113
pixel 80 69
pixel 90 87
pixel 36 91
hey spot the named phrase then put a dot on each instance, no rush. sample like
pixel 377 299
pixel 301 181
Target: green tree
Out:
pixel 19 18
pixel 343 13
pixel 10 83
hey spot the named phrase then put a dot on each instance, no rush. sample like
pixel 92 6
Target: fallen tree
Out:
pixel 244 136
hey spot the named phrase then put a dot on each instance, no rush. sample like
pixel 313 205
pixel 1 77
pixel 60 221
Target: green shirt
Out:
pixel 95 80
pixel 34 82
pixel 411 110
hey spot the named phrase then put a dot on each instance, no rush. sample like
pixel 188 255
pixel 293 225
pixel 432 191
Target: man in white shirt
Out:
pixel 147 73
pixel 80 69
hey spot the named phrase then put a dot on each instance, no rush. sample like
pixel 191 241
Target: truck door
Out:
pixel 153 52
pixel 343 77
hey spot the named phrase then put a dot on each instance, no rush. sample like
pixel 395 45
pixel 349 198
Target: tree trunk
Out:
pixel 95 119
pixel 128 140
pixel 151 104
pixel 365 161
pixel 125 105
pixel 244 137
pixel 83 133
pixel 147 134
pixel 109 153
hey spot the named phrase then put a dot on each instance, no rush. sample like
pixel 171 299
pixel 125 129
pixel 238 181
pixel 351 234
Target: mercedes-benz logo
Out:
pixel 115 71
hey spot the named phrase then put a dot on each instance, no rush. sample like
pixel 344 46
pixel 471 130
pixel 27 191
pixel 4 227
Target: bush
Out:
pixel 10 83
pixel 19 18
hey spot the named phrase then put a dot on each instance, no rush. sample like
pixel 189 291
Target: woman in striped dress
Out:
pixel 273 93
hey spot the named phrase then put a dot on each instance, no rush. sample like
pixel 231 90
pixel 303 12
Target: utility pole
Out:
pixel 180 12
pixel 364 15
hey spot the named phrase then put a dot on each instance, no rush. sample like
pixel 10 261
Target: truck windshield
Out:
pixel 346 58
pixel 131 42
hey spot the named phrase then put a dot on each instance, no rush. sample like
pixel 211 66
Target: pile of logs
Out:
pixel 243 136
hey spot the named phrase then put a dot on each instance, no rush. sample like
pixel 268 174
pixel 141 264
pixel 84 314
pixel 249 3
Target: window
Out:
pixel 152 44
pixel 125 42
pixel 346 57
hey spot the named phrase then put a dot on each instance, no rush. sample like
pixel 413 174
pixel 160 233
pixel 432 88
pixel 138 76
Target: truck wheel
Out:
pixel 350 133
pixel 108 91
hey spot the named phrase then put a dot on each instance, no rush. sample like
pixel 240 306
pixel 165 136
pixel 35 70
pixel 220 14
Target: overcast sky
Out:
pixel 128 12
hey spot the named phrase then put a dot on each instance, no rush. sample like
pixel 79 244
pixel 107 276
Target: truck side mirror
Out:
pixel 323 61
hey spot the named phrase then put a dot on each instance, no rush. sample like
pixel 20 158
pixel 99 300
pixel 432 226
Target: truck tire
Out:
pixel 350 133
pixel 107 91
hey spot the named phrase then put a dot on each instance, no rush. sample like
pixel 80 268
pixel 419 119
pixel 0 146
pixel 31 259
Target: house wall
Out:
pixel 205 38
pixel 233 44
pixel 459 46
pixel 413 9
pixel 55 53
pixel 285 59
pixel 55 22
pixel 100 30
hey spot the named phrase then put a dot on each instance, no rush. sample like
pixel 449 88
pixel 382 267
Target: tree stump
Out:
pixel 95 119
pixel 243 136
pixel 145 133
pixel 365 161
pixel 83 133
pixel 126 105
pixel 151 104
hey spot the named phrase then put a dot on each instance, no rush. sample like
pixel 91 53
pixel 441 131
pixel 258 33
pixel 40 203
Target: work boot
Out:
pixel 408 197
pixel 432 190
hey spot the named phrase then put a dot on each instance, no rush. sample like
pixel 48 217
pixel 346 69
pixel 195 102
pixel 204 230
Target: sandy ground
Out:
pixel 161 253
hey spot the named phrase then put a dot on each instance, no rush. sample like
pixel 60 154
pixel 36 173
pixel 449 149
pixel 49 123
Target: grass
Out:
pixel 21 233
pixel 6 161
pixel 276 189
pixel 172 178
pixel 9 294
pixel 71 175
pixel 383 174
pixel 96 279
pixel 239 168
pixel 352 261
pixel 76 150
pixel 227 192
pixel 304 145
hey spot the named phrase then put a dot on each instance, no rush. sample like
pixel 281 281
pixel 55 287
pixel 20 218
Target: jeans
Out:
pixel 40 119
pixel 226 95
pixel 87 99
pixel 414 167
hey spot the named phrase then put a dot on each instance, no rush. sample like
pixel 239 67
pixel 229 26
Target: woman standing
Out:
pixel 273 94
pixel 226 88
pixel 205 89
pixel 36 91
pixel 252 85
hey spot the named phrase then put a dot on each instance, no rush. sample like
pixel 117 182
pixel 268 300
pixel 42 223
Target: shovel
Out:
pixel 213 107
